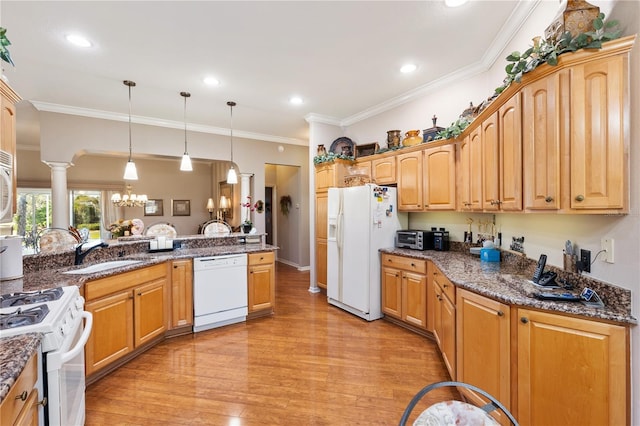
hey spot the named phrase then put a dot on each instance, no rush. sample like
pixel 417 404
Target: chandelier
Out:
pixel 129 199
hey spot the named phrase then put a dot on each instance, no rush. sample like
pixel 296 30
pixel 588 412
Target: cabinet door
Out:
pixel 322 200
pixel 383 170
pixel 181 293
pixel 29 414
pixel 598 108
pixel 112 334
pixel 437 314
pixel 475 169
pixel 490 163
pixel 448 335
pixel 483 348
pixel 325 177
pixel 440 178
pixel 510 155
pixel 414 299
pixel 410 190
pixel 261 289
pixel 541 143
pixel 149 308
pixel 463 192
pixel 571 371
pixel 392 292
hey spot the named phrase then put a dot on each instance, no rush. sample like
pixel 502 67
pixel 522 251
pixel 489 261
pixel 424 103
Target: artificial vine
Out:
pixel 4 42
pixel 285 204
pixel 330 157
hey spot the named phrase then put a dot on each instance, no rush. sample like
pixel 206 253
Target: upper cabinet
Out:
pixel 8 99
pixel 383 170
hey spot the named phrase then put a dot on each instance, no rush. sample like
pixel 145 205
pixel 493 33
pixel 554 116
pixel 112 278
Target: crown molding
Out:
pixel 149 121
pixel 324 119
pixel 515 21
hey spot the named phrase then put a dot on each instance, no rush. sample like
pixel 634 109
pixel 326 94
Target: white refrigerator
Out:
pixel 361 220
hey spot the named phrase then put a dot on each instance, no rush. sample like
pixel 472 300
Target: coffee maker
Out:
pixel 440 239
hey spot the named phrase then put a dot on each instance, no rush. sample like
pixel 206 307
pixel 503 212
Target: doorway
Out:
pixel 268 213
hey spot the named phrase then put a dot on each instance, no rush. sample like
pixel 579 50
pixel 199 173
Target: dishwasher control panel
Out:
pixel 215 262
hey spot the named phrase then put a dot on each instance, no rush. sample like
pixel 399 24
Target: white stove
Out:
pixel 59 315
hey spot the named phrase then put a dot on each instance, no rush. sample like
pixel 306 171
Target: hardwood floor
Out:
pixel 309 364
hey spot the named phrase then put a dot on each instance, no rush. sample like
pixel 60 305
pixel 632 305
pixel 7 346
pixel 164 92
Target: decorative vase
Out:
pixel 577 17
pixel 393 138
pixel 246 228
pixel 322 150
pixel 412 137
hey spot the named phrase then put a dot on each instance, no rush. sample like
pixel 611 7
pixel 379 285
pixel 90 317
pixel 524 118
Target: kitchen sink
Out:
pixel 104 266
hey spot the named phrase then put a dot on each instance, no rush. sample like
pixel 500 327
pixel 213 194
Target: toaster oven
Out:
pixel 414 239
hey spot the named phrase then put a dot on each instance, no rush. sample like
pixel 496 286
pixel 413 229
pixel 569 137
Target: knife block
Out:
pixel 570 264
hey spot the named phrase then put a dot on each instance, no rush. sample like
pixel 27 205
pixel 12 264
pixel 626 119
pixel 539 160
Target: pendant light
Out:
pixel 185 164
pixel 232 177
pixel 130 172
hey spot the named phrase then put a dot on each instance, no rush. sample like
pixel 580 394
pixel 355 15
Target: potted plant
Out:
pixel 247 225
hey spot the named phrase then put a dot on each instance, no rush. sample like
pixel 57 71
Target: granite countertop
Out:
pixel 54 276
pixel 14 353
pixel 509 282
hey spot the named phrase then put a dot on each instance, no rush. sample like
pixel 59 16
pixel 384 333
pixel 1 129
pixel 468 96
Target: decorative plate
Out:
pixel 340 143
pixel 137 226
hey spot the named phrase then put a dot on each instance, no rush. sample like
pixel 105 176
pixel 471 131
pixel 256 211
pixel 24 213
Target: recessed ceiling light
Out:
pixel 78 40
pixel 296 100
pixel 211 81
pixel 454 3
pixel 407 68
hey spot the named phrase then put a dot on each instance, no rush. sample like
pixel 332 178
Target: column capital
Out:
pixel 58 165
pixel 246 175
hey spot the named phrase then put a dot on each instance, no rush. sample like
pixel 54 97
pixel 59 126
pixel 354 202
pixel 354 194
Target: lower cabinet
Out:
pixel 404 289
pixel 261 283
pixel 20 405
pixel 483 343
pixel 444 322
pixel 129 310
pixel 571 370
pixel 181 294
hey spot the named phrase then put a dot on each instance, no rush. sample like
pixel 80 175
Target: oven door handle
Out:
pixel 57 359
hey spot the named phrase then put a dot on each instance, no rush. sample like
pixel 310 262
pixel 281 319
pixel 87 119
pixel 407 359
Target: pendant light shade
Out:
pixel 130 172
pixel 185 164
pixel 232 177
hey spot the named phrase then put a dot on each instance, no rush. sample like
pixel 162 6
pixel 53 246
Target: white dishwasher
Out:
pixel 219 291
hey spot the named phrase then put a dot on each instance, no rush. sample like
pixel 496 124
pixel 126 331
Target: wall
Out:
pixel 543 232
pixel 67 138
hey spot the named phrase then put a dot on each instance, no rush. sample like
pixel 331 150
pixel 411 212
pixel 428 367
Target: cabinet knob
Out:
pixel 579 197
pixel 23 396
pixel 500 313
pixel 397 275
pixel 139 294
pixel 413 265
pixel 445 285
pixel 43 402
pixel 524 320
pixel 175 266
pixel 548 199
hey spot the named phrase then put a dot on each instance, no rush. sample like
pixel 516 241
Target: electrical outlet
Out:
pixel 585 260
pixel 607 246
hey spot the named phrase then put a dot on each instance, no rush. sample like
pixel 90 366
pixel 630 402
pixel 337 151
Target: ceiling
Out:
pixel 343 58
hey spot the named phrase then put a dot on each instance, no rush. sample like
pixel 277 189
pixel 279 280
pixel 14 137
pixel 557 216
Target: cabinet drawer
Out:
pixel 447 287
pixel 105 286
pixel 405 263
pixel 16 399
pixel 261 258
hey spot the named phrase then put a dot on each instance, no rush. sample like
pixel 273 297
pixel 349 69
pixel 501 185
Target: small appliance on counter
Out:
pixel 10 257
pixel 414 239
pixel 440 239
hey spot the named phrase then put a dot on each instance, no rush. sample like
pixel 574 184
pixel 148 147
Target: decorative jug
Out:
pixel 412 137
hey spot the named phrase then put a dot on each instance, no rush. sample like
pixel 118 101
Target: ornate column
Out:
pixel 59 194
pixel 245 191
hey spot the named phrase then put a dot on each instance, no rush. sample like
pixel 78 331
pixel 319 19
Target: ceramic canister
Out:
pixel 10 257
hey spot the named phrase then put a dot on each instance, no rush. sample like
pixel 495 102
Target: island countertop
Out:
pixel 15 352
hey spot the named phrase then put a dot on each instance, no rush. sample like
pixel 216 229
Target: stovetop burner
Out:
pixel 24 317
pixel 29 298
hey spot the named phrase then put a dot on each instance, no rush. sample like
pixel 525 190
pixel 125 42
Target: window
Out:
pixel 86 211
pixel 33 215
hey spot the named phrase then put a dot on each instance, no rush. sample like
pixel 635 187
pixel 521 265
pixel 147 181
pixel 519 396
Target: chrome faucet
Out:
pixel 80 255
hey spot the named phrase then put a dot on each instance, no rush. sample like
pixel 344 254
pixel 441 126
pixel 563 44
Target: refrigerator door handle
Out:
pixel 339 223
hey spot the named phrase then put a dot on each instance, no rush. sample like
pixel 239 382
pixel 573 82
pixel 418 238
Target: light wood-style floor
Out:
pixel 309 364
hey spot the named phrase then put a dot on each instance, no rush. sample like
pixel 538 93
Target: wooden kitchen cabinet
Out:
pixel 327 175
pixel 599 154
pixel 261 283
pixel 383 170
pixel 8 99
pixel 469 170
pixel 129 310
pixel 20 405
pixel 544 112
pixel 571 370
pixel 444 323
pixel 483 348
pixel 404 289
pixel 181 294
pixel 427 179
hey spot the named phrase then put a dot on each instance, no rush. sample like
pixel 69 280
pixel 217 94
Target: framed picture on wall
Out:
pixel 226 190
pixel 180 207
pixel 153 207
